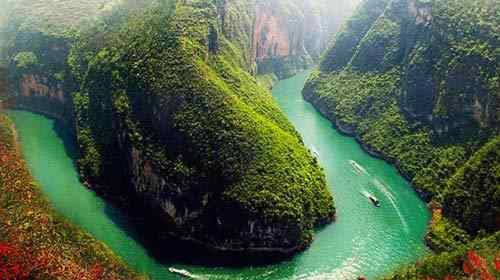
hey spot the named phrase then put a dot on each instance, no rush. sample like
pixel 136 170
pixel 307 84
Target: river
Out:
pixel 364 240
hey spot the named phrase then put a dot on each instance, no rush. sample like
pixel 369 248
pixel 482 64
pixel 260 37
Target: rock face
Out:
pixel 42 83
pixel 279 39
pixel 286 36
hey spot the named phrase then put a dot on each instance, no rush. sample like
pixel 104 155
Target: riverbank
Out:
pixel 36 241
pixel 381 130
pixel 350 131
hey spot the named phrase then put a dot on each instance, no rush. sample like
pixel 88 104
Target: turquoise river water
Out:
pixel 364 240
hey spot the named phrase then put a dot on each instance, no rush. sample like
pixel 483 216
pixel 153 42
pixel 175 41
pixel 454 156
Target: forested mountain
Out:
pixel 418 83
pixel 169 119
pixel 169 105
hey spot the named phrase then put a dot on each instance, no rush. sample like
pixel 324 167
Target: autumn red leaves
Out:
pixel 476 267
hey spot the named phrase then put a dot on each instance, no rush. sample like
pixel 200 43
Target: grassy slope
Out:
pixel 39 241
pixel 364 96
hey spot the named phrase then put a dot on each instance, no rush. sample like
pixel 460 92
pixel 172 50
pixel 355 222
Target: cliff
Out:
pixel 170 122
pixel 279 37
pixel 417 83
pixel 39 77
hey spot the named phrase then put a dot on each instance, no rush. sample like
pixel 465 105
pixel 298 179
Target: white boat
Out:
pixel 182 272
pixel 372 198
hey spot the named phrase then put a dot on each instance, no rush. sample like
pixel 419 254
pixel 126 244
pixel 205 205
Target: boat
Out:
pixel 372 198
pixel 182 272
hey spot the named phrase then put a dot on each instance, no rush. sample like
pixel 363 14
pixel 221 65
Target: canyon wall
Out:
pixel 283 37
pixel 39 77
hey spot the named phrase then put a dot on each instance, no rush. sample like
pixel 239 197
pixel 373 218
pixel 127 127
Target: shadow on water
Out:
pixel 69 141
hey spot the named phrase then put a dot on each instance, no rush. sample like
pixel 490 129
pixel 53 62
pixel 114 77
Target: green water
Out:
pixel 365 240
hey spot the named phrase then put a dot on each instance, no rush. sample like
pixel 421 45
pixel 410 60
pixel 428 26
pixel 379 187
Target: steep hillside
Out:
pixel 168 119
pixel 417 83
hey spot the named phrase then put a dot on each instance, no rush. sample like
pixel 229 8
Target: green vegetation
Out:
pixel 227 128
pixel 25 60
pixel 37 243
pixel 163 102
pixel 422 90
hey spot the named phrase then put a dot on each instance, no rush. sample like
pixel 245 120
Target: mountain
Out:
pixel 417 82
pixel 172 126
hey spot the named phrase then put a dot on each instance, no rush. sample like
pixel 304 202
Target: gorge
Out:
pixel 159 115
pixel 360 241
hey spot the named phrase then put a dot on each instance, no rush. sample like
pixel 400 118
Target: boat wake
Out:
pixel 358 169
pixel 314 151
pixel 382 187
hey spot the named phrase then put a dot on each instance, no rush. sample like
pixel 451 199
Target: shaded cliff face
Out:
pixel 39 76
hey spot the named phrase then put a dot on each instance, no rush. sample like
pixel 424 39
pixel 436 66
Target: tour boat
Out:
pixel 374 200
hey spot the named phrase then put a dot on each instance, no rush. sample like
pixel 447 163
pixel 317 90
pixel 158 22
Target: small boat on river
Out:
pixel 372 198
pixel 182 272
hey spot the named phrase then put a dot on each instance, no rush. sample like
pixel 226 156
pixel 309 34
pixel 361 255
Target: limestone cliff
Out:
pixel 282 37
pixel 39 76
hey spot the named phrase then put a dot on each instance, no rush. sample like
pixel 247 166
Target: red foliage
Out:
pixel 14 264
pixel 486 275
pixel 97 272
pixel 468 268
pixel 448 278
pixel 476 260
pixel 497 263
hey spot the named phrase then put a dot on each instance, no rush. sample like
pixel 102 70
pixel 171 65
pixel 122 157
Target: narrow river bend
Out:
pixel 365 240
